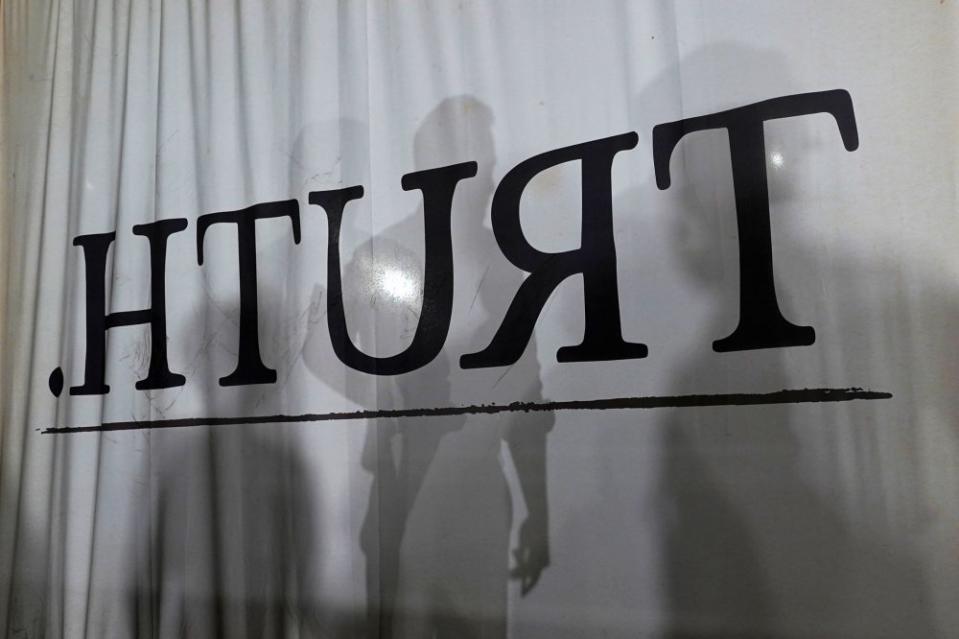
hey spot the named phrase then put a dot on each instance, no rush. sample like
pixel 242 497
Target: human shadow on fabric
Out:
pixel 226 538
pixel 436 532
pixel 756 543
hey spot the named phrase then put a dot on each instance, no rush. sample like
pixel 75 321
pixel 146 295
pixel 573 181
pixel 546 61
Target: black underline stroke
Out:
pixel 795 396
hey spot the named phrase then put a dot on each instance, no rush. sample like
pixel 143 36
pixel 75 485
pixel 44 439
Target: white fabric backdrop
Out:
pixel 825 520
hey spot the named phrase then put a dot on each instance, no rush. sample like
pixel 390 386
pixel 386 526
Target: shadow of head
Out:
pixel 703 202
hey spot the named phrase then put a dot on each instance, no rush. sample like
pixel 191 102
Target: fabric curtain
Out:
pixel 281 491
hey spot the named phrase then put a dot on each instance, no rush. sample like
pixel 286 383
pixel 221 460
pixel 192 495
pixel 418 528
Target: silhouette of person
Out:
pixel 226 535
pixel 752 548
pixel 437 528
